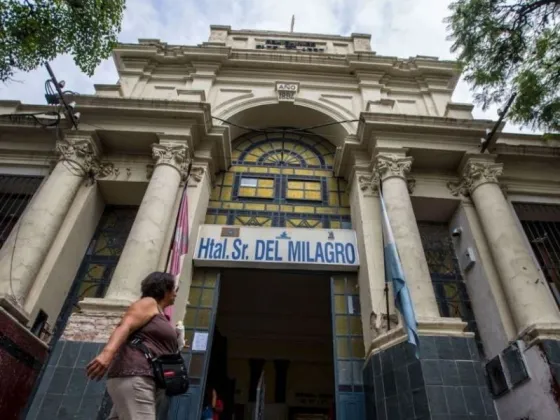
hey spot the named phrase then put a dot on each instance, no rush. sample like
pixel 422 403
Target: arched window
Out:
pixel 280 178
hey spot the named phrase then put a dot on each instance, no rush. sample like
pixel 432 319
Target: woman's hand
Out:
pixel 97 368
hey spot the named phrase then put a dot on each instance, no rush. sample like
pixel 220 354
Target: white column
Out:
pixel 24 252
pixel 366 221
pixel 198 192
pixel 141 252
pixel 529 297
pixel 392 169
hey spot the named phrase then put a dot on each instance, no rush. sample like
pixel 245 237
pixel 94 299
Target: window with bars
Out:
pixel 15 193
pixel 100 260
pixel 541 224
pixel 450 289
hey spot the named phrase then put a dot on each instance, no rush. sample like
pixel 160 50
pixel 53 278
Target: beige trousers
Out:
pixel 134 398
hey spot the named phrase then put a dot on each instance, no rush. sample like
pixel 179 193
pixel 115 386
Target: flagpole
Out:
pixel 380 188
pixel 387 304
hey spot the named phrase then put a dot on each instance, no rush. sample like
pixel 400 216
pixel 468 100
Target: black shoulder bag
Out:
pixel 170 371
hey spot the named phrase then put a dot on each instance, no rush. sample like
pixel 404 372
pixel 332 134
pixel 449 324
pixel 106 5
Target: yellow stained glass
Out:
pixel 190 318
pixel 357 345
pixel 339 286
pixel 314 186
pixel 266 183
pixel 221 220
pixel 342 348
pixel 340 305
pixel 341 325
pixel 304 209
pixel 265 193
pixel 226 194
pixel 333 199
pixel 355 325
pixel 295 194
pixel 247 192
pixel 313 195
pixel 254 206
pixel 207 297
pixel 194 296
pixel 228 179
pixel 295 185
pixel 203 318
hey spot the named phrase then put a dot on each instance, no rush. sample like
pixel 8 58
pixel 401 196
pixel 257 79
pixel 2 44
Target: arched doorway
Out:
pixel 280 177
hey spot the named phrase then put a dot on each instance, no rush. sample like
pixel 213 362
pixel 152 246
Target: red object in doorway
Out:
pixel 21 358
pixel 218 409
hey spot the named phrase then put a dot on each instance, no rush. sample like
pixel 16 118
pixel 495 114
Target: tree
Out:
pixel 508 46
pixel 35 31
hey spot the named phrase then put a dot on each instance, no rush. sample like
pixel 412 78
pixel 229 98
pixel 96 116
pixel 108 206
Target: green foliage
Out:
pixel 35 31
pixel 508 46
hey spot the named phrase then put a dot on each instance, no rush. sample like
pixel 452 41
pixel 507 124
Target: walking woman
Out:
pixel 131 384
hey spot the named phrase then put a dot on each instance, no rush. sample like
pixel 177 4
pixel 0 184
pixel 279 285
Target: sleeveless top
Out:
pixel 158 335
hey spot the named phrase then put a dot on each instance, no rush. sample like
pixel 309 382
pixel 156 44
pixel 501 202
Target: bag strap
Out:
pixel 137 343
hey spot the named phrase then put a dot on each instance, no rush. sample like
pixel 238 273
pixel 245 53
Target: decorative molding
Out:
pixel 196 175
pixel 79 152
pixel 369 184
pixel 389 166
pixel 378 324
pixel 104 169
pixel 476 174
pixel 174 155
pixel 458 189
pixel 149 170
pixel 411 184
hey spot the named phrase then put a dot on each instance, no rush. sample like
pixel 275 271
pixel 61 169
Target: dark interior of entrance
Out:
pixel 278 323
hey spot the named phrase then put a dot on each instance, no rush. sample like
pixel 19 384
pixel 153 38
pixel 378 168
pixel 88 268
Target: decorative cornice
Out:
pixel 391 165
pixel 174 155
pixel 476 174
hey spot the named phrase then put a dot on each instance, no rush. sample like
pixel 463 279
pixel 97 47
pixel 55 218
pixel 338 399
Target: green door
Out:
pixel 348 347
pixel 199 323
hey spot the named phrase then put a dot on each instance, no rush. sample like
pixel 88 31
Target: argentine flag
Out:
pixel 394 274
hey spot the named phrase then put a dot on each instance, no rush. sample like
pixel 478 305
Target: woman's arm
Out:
pixel 137 315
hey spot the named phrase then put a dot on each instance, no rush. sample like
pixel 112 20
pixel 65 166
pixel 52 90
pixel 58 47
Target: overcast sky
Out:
pixel 403 28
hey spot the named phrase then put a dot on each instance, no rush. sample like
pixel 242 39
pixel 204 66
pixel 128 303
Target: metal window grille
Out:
pixel 15 193
pixel 541 224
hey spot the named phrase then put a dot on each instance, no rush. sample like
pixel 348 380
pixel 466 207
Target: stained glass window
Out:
pixel 100 260
pixel 348 339
pixel 281 179
pixel 450 290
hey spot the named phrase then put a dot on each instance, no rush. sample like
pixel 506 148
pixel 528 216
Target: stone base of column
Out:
pixel 447 381
pixel 540 332
pixel 446 327
pixel 22 356
pixel 65 391
pixel 14 309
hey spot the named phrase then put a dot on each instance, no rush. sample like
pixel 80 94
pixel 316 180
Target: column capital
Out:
pixel 390 165
pixel 172 154
pixel 369 183
pixel 478 171
pixel 80 149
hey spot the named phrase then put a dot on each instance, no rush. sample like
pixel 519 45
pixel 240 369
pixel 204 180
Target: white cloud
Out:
pixel 402 28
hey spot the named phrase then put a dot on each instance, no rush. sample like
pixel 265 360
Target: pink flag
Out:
pixel 180 245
